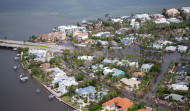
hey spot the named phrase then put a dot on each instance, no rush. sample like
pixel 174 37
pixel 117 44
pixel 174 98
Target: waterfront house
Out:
pixel 179 87
pixel 52 37
pixel 157 16
pixel 172 12
pixel 135 24
pixel 117 20
pixel 130 82
pixel 186 9
pixel 162 21
pixel 82 36
pixel 182 48
pixel 142 17
pixel 70 29
pixel 86 92
pixel 117 104
pixel 174 20
pixel 87 58
pixel 176 97
pixel 102 34
pixel 41 55
pixel 171 48
pixel 146 67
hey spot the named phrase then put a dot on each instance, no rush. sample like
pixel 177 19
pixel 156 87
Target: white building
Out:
pixel 179 87
pixel 174 20
pixel 157 46
pixel 70 29
pixel 171 48
pixel 162 21
pixel 146 67
pixel 134 24
pixel 182 48
pixel 143 17
pixel 41 55
pixel 62 79
pixel 100 34
pixel 176 97
pixel 186 9
pixel 87 58
pixel 117 20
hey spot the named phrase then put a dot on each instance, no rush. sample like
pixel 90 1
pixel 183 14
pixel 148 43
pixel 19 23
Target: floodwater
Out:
pixel 17 96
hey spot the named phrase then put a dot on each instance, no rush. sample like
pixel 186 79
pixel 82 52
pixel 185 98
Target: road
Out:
pixel 52 47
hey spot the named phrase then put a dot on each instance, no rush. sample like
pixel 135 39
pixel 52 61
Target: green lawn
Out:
pixel 36 46
pixel 66 99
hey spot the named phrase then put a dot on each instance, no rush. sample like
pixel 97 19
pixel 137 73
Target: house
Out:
pixel 125 17
pixel 62 79
pixel 41 55
pixel 122 31
pixel 179 87
pixel 117 104
pixel 130 82
pixel 108 61
pixel 157 16
pixel 183 70
pixel 86 92
pixel 171 48
pixel 137 74
pixel 95 23
pixel 176 97
pixel 161 21
pixel 107 71
pixel 182 48
pixel 142 17
pixel 167 42
pixel 52 37
pixel 100 34
pixel 104 43
pixel 87 58
pixel 146 67
pixel 117 72
pixel 98 96
pixel 82 36
pixel 186 9
pixel 45 66
pixel 126 41
pixel 157 46
pixel 96 67
pixel 70 29
pixel 172 12
pixel 117 20
pixel 135 24
pixel 174 20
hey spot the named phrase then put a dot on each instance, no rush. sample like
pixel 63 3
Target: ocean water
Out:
pixel 20 19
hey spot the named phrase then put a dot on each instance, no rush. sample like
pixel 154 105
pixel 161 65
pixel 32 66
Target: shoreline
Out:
pixel 59 99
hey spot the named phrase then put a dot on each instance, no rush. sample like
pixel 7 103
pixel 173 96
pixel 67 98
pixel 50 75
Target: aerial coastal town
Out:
pixel 131 63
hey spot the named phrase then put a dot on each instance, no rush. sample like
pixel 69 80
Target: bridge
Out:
pixel 46 46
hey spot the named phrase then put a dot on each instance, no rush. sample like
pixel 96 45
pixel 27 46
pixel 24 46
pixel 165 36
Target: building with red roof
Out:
pixel 117 104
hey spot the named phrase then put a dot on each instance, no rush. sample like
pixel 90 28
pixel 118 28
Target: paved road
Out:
pixel 52 47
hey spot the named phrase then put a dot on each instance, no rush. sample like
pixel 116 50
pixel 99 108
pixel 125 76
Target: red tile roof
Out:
pixel 124 103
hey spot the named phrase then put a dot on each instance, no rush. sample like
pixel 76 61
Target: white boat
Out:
pixel 18 55
pixel 51 96
pixel 38 90
pixel 15 67
pixel 16 58
pixel 15 49
pixel 23 79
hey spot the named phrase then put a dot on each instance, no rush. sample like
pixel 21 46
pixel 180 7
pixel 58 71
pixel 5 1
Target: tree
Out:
pixel 99 44
pixel 107 15
pixel 5 38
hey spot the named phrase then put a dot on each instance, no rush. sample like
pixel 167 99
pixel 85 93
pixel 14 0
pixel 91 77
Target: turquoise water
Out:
pixel 20 19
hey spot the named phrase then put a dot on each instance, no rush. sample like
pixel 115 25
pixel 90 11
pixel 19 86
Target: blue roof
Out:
pixel 89 89
pixel 125 41
pixel 183 69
